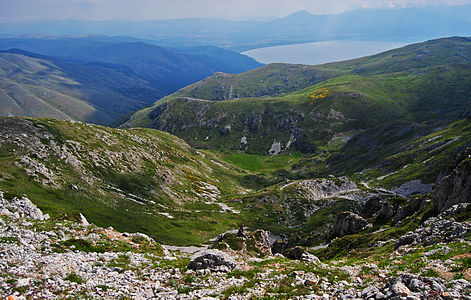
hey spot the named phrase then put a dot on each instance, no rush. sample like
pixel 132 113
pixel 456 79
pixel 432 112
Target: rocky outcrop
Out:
pixel 413 206
pixel 438 229
pixel 418 287
pixel 386 210
pixel 317 189
pixel 257 242
pixel 349 223
pixel 213 260
pixel 20 208
pixel 455 187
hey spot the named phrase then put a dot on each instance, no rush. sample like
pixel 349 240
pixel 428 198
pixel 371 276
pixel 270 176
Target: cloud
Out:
pixel 167 9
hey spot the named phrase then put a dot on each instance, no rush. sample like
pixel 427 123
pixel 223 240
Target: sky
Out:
pixel 24 10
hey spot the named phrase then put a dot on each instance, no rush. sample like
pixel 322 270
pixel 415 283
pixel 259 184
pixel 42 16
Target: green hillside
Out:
pixel 144 180
pixel 135 180
pixel 315 110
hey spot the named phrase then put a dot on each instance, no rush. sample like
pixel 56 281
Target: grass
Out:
pixel 384 103
pixel 72 277
pixel 260 163
pixel 123 188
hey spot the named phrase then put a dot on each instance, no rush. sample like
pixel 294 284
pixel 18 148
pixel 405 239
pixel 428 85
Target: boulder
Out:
pixel 262 241
pixel 310 258
pixel 212 259
pixel 84 220
pixel 370 292
pixel 349 223
pixel 299 253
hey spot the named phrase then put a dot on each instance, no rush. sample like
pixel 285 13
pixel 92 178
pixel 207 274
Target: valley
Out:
pixel 347 180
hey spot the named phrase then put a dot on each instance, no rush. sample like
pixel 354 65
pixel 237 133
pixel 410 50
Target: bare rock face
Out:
pixel 214 260
pixel 262 241
pixel 350 223
pixel 455 187
pixel 317 189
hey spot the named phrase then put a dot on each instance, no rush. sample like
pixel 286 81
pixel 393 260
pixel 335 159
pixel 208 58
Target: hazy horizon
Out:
pixel 141 10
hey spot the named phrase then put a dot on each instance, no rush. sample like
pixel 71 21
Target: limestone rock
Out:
pixel 437 229
pixel 349 223
pixel 211 259
pixel 21 208
pixel 84 220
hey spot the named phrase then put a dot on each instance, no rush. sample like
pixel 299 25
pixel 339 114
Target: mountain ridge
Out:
pixel 404 93
pixel 400 24
pixel 111 79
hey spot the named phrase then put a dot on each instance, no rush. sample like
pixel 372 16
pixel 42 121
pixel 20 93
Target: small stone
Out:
pixel 370 292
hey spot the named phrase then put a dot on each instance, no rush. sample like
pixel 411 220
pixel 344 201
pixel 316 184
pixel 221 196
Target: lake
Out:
pixel 320 52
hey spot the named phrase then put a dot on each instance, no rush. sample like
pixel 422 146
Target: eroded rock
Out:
pixel 349 223
pixel 212 259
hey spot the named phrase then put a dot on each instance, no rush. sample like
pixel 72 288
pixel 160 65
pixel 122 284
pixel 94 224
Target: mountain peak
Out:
pixel 300 13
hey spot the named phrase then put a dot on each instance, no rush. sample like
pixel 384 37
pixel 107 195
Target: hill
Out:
pixel 135 180
pixel 34 85
pixel 105 79
pixel 316 110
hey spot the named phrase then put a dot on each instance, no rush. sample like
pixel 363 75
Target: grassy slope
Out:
pixel 271 80
pixel 123 178
pixel 135 179
pixel 421 87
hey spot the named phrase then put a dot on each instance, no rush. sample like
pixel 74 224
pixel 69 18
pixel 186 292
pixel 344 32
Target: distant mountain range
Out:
pixel 405 24
pixel 97 81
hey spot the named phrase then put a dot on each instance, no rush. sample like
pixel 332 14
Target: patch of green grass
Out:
pixel 430 273
pixel 285 290
pixel 72 277
pixel 238 290
pixel 123 262
pixel 179 263
pixel 462 264
pixel 249 274
pixel 260 163
pixel 184 289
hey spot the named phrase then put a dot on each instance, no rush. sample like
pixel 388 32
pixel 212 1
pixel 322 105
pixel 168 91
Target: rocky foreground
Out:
pixel 44 258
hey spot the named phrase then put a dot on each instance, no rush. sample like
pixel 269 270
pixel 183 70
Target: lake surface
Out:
pixel 320 52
